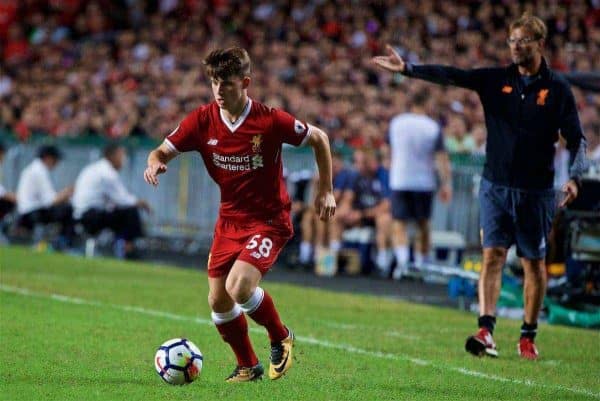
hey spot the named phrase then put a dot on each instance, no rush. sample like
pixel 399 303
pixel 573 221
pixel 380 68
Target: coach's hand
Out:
pixel 392 62
pixel 152 171
pixel 571 191
pixel 325 205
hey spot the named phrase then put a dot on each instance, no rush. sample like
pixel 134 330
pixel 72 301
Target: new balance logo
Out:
pixel 212 142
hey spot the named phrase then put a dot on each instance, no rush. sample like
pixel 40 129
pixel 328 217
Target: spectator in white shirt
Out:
pixel 416 145
pixel 8 200
pixel 101 200
pixel 38 203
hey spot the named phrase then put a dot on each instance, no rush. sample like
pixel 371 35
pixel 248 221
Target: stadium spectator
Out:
pixel 526 105
pixel 479 137
pixel 326 236
pixel 240 141
pixel 417 145
pixel 101 201
pixel 38 203
pixel 8 200
pixel 115 69
pixel 303 215
pixel 458 139
pixel 364 204
pixel 594 150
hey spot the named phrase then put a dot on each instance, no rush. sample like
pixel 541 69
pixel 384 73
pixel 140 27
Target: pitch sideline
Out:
pixel 308 340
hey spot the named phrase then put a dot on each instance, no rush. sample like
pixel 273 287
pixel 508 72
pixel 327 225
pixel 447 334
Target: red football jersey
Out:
pixel 244 157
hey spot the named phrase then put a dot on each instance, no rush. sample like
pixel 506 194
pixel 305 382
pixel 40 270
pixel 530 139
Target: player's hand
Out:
pixel 392 62
pixel 445 193
pixel 325 205
pixel 571 191
pixel 152 171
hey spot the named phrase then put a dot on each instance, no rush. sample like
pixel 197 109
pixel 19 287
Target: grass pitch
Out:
pixel 77 329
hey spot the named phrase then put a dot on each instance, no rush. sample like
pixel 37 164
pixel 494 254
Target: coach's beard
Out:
pixel 523 60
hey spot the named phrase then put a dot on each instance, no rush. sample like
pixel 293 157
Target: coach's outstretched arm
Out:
pixel 324 201
pixel 157 163
pixel 439 74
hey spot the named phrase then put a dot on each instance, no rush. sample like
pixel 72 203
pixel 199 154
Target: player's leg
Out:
pixel 422 205
pixel 228 317
pixel 534 289
pixel 328 244
pixel 423 242
pixel 126 223
pixel 400 216
pixel 534 220
pixel 308 234
pixel 497 234
pixel 383 233
pixel 490 279
pixel 242 285
pixel 231 323
pixel 401 250
pixel 63 214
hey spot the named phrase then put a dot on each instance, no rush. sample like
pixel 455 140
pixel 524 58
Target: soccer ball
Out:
pixel 178 361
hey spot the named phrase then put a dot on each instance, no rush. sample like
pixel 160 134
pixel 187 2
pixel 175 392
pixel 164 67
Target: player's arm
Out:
pixel 325 200
pixel 442 162
pixel 439 74
pixel 570 129
pixel 157 162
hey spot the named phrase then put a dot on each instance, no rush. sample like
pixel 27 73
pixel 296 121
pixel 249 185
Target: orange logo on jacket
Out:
pixel 506 89
pixel 541 98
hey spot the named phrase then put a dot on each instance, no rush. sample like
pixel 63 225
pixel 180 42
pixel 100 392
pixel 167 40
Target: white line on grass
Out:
pixel 348 327
pixel 308 340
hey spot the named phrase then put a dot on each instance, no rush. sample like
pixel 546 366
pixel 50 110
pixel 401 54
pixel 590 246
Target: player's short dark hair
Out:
pixel 227 63
pixel 49 151
pixel 421 97
pixel 532 23
pixel 110 149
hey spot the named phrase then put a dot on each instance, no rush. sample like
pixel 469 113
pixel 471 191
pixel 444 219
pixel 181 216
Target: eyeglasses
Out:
pixel 521 41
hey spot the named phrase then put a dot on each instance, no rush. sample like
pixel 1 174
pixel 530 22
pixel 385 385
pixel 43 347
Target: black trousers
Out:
pixel 6 207
pixel 62 213
pixel 125 222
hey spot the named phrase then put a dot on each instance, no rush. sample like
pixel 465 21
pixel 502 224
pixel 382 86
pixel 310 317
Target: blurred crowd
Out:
pixel 121 68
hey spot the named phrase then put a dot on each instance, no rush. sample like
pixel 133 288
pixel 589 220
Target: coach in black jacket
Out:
pixel 526 106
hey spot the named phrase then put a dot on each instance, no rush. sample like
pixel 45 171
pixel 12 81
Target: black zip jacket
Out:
pixel 523 122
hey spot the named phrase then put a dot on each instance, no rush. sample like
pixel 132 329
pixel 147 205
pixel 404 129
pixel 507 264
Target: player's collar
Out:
pixel 234 126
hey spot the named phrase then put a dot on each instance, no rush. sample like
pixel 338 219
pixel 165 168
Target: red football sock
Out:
pixel 266 315
pixel 235 333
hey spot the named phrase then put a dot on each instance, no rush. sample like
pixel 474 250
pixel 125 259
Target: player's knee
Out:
pixel 423 225
pixel 494 258
pixel 398 227
pixel 219 303
pixel 239 288
pixel 383 219
pixel 535 268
